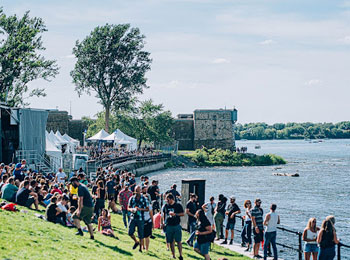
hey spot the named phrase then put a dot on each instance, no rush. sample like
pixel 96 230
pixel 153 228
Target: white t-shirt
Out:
pixel 60 177
pixel 61 207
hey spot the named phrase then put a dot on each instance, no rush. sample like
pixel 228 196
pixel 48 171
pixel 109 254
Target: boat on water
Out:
pixel 257 146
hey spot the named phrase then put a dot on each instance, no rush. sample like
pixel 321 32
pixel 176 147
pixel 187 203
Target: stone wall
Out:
pixel 213 129
pixel 76 129
pixel 184 133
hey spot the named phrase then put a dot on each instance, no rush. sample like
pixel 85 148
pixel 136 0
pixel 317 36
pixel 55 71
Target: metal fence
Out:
pixel 299 249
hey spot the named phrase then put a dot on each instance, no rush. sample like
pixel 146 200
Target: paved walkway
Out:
pixel 238 249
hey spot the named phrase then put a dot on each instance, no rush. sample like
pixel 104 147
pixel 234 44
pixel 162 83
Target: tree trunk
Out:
pixel 108 108
pixel 139 146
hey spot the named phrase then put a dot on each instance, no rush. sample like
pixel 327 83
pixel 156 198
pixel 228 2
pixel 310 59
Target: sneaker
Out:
pixel 79 233
pixel 246 250
pixel 231 241
pixel 92 238
pixel 258 256
pixel 181 258
pixel 242 244
pixel 224 242
pixel 136 245
pixel 152 237
pixel 217 239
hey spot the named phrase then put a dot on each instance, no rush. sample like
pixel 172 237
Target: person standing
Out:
pixel 175 193
pixel 202 244
pixel 171 213
pixel 327 239
pixel 247 229
pixel 85 208
pixel 209 209
pixel 310 238
pixel 148 215
pixel 60 176
pixel 219 216
pixel 231 212
pixel 191 209
pixel 272 219
pixel 124 197
pixel 258 228
pixel 138 205
pixel 153 191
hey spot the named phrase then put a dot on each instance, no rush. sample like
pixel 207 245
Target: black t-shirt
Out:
pixel 192 206
pixel 94 190
pixel 110 187
pixel 202 228
pixel 221 207
pixel 22 196
pixel 51 212
pixel 174 192
pixel 152 191
pixel 84 192
pixel 231 209
pixel 167 208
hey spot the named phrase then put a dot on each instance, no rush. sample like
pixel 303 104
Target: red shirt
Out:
pixel 56 190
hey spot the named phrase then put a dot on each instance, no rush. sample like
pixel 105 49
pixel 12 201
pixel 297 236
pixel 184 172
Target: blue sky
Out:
pixel 275 61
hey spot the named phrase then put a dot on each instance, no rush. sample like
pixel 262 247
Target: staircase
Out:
pixel 41 163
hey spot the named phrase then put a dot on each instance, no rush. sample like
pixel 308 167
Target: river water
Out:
pixel 321 190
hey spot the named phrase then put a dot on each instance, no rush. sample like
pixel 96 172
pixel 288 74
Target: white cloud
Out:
pixel 220 61
pixel 267 42
pixel 173 84
pixel 345 40
pixel 71 56
pixel 313 82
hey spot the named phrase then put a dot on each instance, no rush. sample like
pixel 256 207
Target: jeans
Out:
pixel 126 214
pixel 326 253
pixel 270 237
pixel 219 220
pixel 247 232
pixel 192 226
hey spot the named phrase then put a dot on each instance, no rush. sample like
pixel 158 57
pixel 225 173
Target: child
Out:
pixel 70 221
pixel 104 224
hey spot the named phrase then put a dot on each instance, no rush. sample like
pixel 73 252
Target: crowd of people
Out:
pixel 109 152
pixel 71 198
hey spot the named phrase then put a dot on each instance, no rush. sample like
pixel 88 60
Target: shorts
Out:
pixel 85 215
pixel 173 233
pixel 29 202
pixel 230 225
pixel 310 248
pixel 147 230
pixel 258 238
pixel 203 248
pixel 140 227
pixel 111 196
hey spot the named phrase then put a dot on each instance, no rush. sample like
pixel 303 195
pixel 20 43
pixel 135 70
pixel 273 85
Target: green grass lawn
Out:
pixel 24 236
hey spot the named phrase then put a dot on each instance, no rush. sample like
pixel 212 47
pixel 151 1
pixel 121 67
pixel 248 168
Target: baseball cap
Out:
pixel 258 200
pixel 18 165
pixel 232 197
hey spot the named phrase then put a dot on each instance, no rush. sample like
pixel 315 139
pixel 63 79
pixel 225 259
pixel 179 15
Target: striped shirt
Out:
pixel 257 213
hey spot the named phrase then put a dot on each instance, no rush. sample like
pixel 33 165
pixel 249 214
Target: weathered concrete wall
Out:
pixel 58 120
pixel 213 129
pixel 184 133
pixel 138 171
pixel 76 129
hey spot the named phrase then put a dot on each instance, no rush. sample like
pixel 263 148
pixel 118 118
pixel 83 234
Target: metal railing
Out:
pixel 92 165
pixel 40 161
pixel 299 250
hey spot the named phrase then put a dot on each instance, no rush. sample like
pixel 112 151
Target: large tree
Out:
pixel 112 63
pixel 21 60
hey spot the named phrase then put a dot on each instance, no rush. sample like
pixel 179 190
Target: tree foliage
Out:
pixel 111 62
pixel 262 131
pixel 21 60
pixel 147 122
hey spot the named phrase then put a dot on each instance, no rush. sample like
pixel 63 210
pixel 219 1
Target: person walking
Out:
pixel 272 219
pixel 138 205
pixel 85 207
pixel 310 238
pixel 247 229
pixel 231 212
pixel 327 239
pixel 258 228
pixel 148 215
pixel 170 221
pixel 124 197
pixel 202 243
pixel 209 209
pixel 219 216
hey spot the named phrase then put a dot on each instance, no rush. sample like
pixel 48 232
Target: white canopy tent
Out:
pixel 99 136
pixel 53 152
pixel 120 138
pixel 71 140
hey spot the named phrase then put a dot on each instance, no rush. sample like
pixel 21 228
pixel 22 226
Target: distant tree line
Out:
pixel 263 131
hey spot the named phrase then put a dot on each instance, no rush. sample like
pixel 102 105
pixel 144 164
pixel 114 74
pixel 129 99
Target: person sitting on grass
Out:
pixel 70 220
pixel 9 190
pixel 25 197
pixel 104 224
pixel 53 212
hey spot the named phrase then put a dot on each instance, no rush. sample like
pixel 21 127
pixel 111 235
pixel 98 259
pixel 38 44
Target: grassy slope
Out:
pixel 24 236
